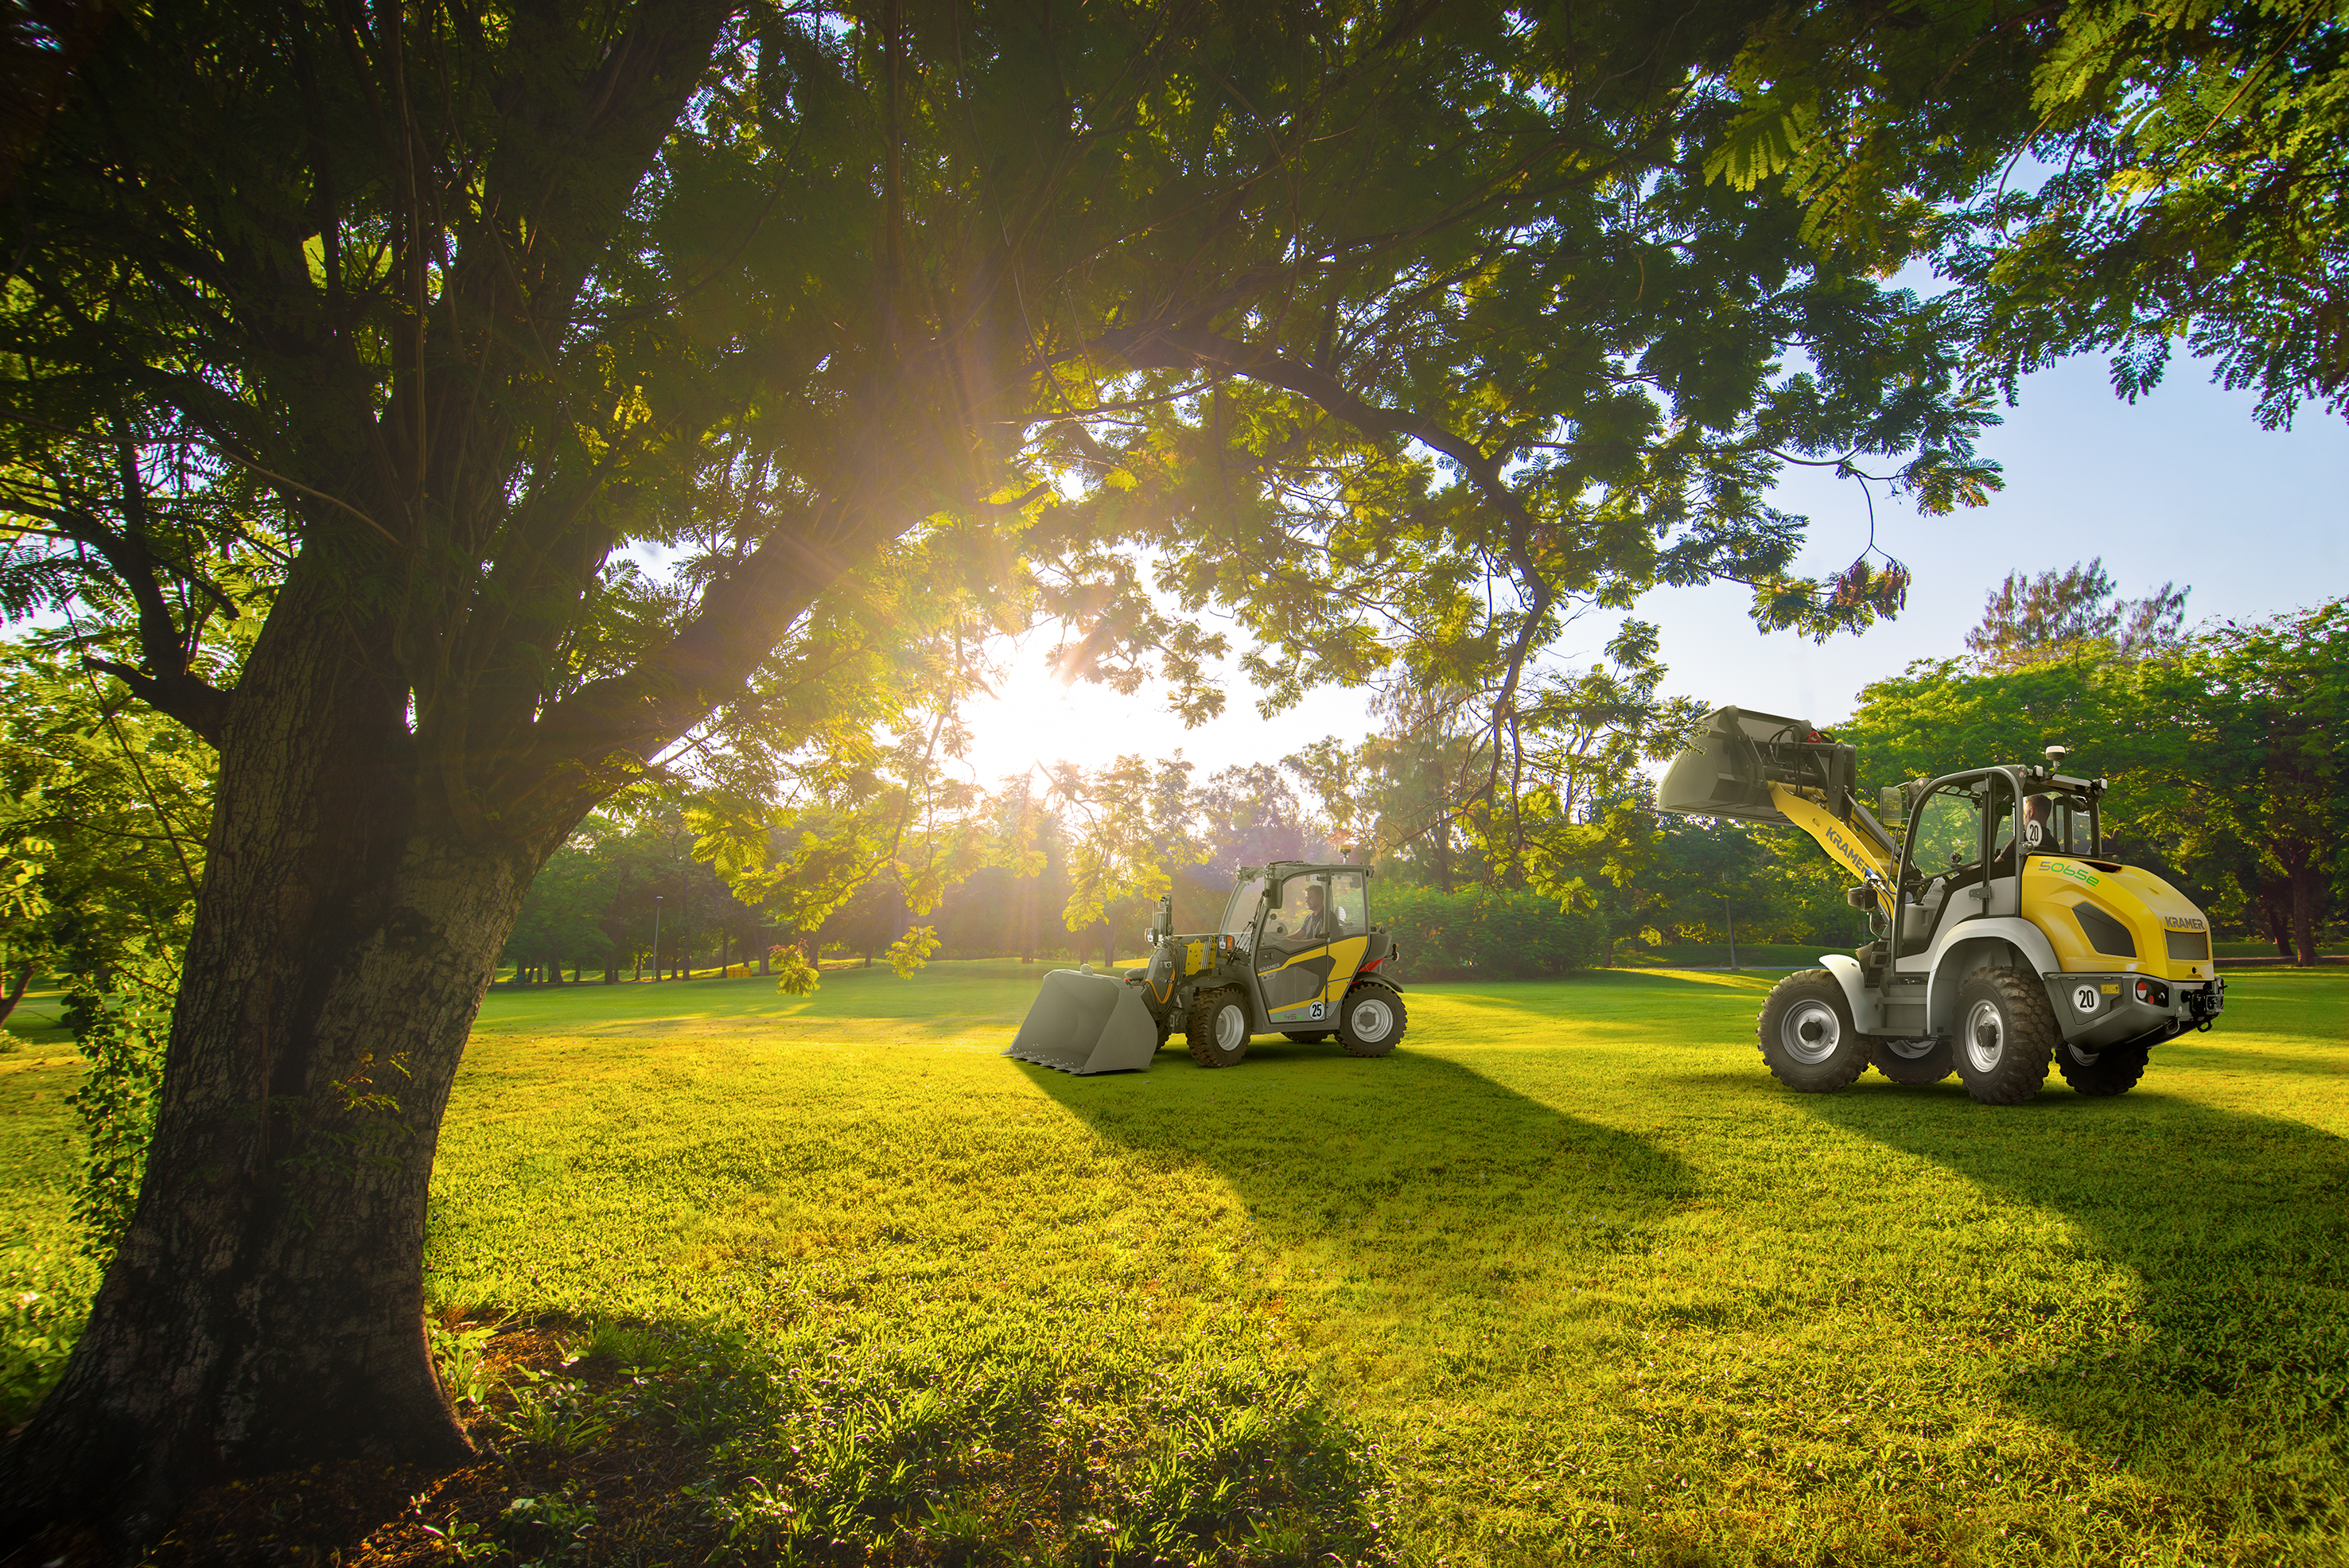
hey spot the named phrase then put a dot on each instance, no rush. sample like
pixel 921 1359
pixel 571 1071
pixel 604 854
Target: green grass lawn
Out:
pixel 1567 1277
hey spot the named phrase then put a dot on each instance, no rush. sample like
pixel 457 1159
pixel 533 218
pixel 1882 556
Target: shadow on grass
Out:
pixel 624 1441
pixel 2230 1373
pixel 1437 1199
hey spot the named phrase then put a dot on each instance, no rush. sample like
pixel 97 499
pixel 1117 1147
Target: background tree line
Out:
pixel 2218 742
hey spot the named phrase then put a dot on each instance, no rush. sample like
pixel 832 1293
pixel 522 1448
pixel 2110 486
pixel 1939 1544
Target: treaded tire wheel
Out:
pixel 2113 1070
pixel 2004 1035
pixel 1913 1061
pixel 1372 1020
pixel 1218 1030
pixel 1806 1034
pixel 1306 1037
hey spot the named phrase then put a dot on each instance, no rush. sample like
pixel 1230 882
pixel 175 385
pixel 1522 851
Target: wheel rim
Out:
pixel 1372 1020
pixel 1231 1028
pixel 1985 1036
pixel 1811 1032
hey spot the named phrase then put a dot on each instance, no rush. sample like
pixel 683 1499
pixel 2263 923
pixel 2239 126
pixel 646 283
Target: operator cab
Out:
pixel 1968 837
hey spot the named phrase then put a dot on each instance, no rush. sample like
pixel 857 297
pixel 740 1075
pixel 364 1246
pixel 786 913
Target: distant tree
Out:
pixel 1399 793
pixel 868 922
pixel 2055 614
pixel 1131 826
pixel 1251 814
pixel 2256 779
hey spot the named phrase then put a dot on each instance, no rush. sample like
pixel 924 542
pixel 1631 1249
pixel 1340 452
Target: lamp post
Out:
pixel 657 904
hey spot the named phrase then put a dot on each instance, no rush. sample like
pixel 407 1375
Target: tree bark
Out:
pixel 16 989
pixel 2275 903
pixel 2305 896
pixel 266 1308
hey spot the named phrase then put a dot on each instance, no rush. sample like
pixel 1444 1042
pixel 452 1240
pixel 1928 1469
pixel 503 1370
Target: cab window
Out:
pixel 1301 896
pixel 2062 822
pixel 1241 913
pixel 1352 904
pixel 1947 836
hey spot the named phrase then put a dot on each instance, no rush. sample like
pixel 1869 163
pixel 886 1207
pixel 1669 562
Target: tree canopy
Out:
pixel 455 415
pixel 2093 176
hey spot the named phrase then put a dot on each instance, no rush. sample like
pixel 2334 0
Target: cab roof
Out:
pixel 1286 868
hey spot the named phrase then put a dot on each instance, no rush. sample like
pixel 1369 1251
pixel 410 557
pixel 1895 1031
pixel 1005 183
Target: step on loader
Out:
pixel 2006 939
pixel 1296 955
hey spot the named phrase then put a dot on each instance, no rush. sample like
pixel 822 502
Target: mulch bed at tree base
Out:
pixel 367 1514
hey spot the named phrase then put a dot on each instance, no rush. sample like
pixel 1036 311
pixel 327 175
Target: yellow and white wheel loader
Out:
pixel 1296 955
pixel 2006 937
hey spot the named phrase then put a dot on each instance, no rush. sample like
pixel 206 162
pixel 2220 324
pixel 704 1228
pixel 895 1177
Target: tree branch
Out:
pixel 1167 348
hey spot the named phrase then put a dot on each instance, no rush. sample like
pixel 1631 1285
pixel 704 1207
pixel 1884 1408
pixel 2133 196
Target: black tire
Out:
pixel 1219 1029
pixel 1806 1034
pixel 1913 1061
pixel 2113 1070
pixel 1372 1020
pixel 1306 1037
pixel 2004 1032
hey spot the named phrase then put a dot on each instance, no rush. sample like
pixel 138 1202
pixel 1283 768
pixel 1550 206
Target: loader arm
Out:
pixel 1848 841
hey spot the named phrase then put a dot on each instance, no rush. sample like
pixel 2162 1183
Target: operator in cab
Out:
pixel 2038 820
pixel 1317 923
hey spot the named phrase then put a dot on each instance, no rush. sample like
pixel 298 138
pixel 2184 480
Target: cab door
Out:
pixel 1350 934
pixel 1292 954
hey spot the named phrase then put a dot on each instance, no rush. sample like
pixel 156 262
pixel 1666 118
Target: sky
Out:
pixel 2181 487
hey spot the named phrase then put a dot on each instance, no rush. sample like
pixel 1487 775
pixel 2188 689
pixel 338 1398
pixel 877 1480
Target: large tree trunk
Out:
pixel 265 1309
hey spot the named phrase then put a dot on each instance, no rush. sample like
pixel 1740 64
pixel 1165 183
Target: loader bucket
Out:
pixel 1724 773
pixel 1087 1024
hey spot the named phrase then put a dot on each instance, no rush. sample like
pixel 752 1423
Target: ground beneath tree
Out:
pixel 522 1502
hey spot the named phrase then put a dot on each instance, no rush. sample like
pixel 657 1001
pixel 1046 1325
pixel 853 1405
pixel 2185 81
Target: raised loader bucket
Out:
pixel 1087 1024
pixel 1727 768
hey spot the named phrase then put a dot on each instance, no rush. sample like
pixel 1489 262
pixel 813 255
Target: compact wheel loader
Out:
pixel 2005 938
pixel 1296 955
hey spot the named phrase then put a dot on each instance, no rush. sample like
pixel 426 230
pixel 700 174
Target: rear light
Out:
pixel 2153 993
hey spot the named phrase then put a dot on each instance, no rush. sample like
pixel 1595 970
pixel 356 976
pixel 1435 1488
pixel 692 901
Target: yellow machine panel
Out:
pixel 2102 918
pixel 1846 844
pixel 1347 952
